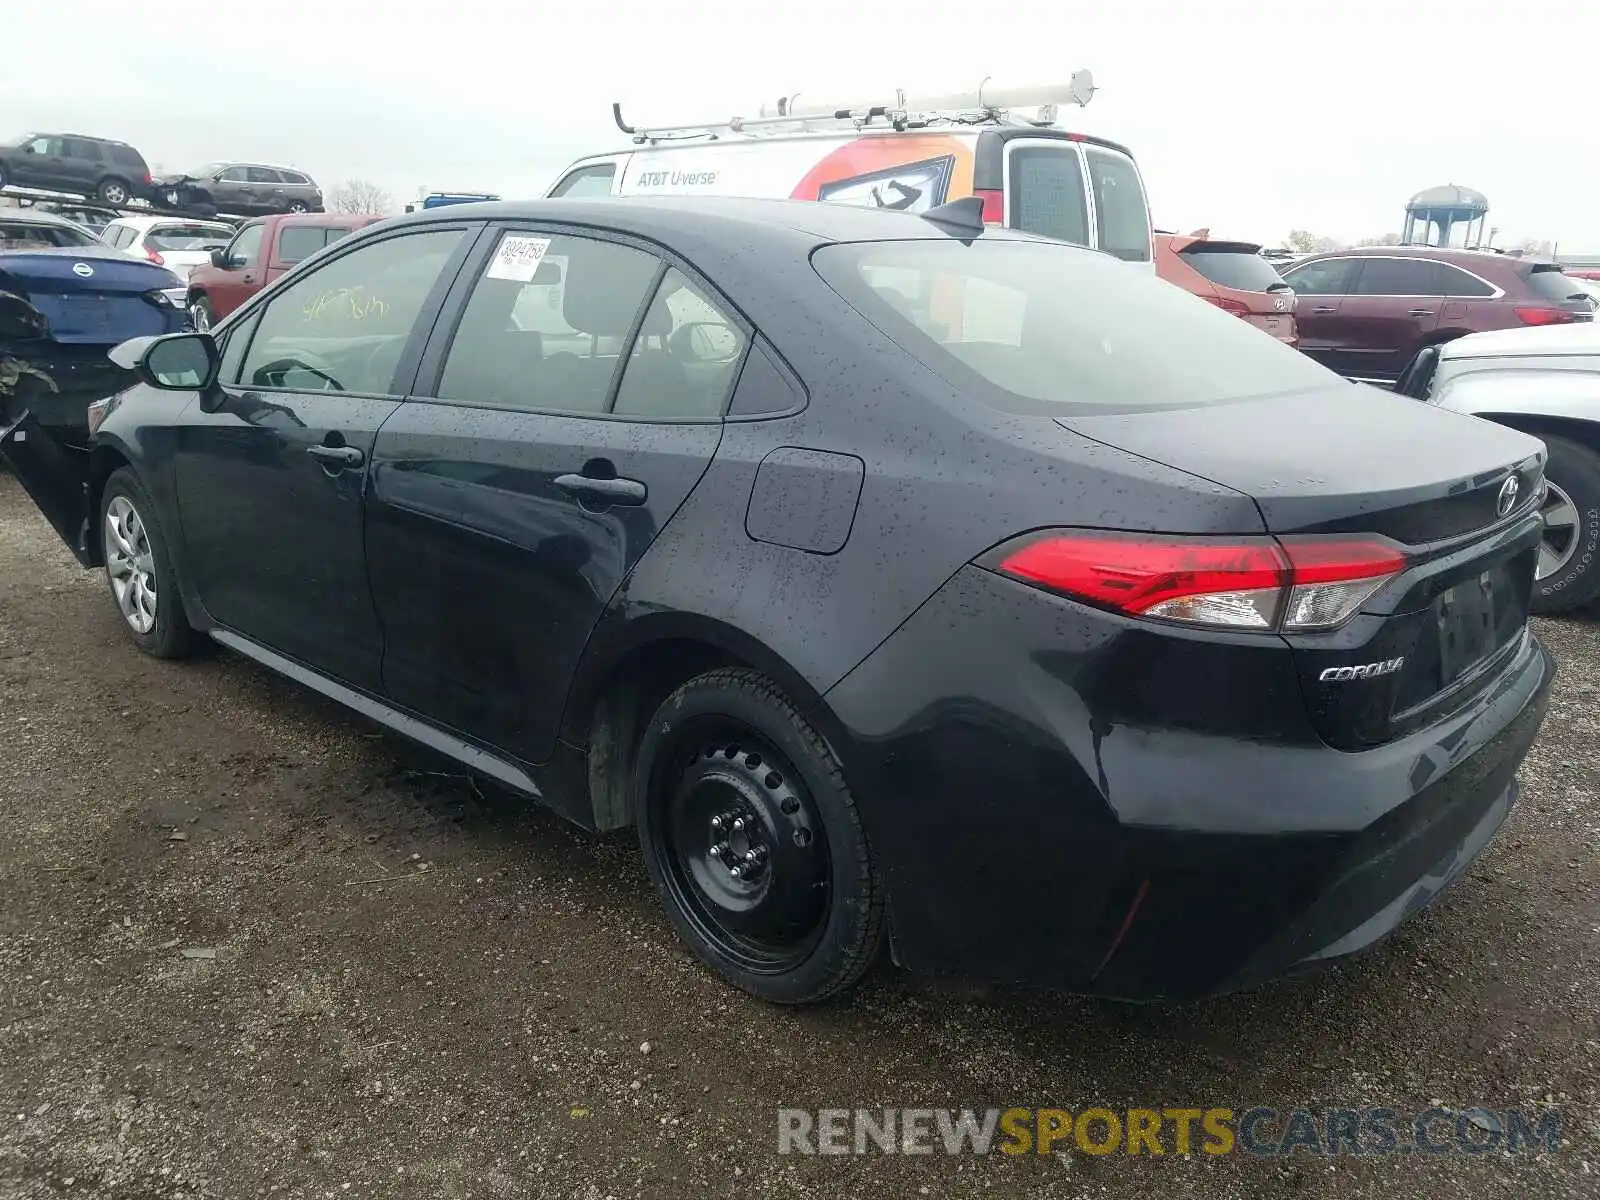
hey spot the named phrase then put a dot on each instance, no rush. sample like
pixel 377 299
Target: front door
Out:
pixel 271 480
pixel 555 430
pixel 1320 289
pixel 231 285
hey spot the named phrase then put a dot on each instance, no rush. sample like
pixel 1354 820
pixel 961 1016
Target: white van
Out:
pixel 909 153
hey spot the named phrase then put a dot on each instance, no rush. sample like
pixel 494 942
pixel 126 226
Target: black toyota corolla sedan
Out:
pixel 902 581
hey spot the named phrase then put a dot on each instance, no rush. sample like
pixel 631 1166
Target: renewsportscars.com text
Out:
pixel 1159 1131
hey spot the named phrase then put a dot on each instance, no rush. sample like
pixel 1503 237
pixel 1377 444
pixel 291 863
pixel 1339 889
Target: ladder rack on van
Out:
pixel 987 104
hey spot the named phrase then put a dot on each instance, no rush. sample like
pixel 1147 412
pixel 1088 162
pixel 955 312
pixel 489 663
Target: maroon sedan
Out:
pixel 1365 312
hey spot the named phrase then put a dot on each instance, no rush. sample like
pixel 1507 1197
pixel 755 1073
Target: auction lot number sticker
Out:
pixel 517 258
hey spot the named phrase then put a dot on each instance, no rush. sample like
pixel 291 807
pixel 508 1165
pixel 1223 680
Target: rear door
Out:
pixel 83 165
pixel 1079 192
pixel 1390 312
pixel 271 478
pixel 1320 287
pixel 268 185
pixel 545 448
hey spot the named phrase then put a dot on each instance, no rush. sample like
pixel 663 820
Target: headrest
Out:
pixel 603 304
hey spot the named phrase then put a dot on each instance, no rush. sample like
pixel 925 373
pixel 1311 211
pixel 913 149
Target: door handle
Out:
pixel 609 491
pixel 337 457
pixel 1421 312
pixel 249 278
pixel 1323 308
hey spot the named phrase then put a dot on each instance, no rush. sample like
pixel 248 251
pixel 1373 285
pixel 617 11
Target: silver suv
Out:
pixel 1544 381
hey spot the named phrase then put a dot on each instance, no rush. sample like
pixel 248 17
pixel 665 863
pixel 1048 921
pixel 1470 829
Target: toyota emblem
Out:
pixel 1508 496
pixel 82 270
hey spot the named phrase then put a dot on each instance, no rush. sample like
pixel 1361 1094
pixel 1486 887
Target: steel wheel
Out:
pixel 1563 530
pixel 130 565
pixel 742 848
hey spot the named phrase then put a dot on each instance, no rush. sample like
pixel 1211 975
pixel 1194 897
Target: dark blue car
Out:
pixel 65 301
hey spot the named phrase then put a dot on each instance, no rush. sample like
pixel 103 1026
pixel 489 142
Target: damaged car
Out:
pixel 65 301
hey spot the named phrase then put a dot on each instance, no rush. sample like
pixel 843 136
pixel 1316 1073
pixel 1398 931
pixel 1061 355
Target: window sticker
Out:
pixel 517 258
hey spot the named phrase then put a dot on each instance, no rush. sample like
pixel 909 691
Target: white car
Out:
pixel 1543 380
pixel 176 243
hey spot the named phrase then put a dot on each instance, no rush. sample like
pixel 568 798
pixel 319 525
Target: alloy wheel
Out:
pixel 742 847
pixel 200 318
pixel 1563 530
pixel 130 564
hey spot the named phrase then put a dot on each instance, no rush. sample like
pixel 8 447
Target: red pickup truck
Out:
pixel 262 250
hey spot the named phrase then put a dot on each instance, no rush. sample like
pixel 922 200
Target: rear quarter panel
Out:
pixel 942 480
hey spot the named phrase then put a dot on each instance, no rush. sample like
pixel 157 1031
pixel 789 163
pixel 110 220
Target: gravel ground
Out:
pixel 419 989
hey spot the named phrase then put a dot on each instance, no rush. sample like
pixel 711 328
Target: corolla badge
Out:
pixel 1507 499
pixel 1365 671
pixel 82 270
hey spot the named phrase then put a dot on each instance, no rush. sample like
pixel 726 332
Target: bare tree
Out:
pixel 1383 239
pixel 1535 246
pixel 360 196
pixel 1303 241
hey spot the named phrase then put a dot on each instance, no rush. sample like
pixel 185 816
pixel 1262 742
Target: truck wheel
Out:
pixel 754 842
pixel 200 314
pixel 112 191
pixel 1568 573
pixel 139 569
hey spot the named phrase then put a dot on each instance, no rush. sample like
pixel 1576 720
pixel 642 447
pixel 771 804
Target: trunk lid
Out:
pixel 90 295
pixel 1351 459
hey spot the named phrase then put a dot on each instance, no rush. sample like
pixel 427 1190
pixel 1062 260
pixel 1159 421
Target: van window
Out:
pixel 1056 329
pixel 593 180
pixel 1047 194
pixel 1121 214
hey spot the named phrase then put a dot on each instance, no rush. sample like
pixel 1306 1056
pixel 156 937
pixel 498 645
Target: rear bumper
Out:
pixel 1058 796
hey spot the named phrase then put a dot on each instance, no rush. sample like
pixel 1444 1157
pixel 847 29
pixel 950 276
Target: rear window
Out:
pixel 297 242
pixel 1549 283
pixel 27 235
pixel 1057 330
pixel 1047 194
pixel 188 237
pixel 1232 266
pixel 1121 215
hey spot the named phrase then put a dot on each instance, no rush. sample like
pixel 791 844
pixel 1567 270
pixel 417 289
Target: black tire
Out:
pixel 732 740
pixel 298 206
pixel 170 635
pixel 113 191
pixel 1573 471
pixel 200 314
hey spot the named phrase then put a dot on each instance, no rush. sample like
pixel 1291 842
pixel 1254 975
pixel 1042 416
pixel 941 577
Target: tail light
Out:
pixel 154 256
pixel 1228 304
pixel 1530 315
pixel 1250 583
pixel 994 205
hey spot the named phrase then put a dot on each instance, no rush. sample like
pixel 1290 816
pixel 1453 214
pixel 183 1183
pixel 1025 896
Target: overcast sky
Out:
pixel 1253 118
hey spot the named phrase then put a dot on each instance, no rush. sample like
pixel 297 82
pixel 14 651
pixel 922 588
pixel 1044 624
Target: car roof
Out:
pixel 696 217
pixel 1473 260
pixel 149 223
pixel 1581 337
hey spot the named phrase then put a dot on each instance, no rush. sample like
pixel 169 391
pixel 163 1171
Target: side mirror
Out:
pixel 180 362
pixel 28 149
pixel 219 258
